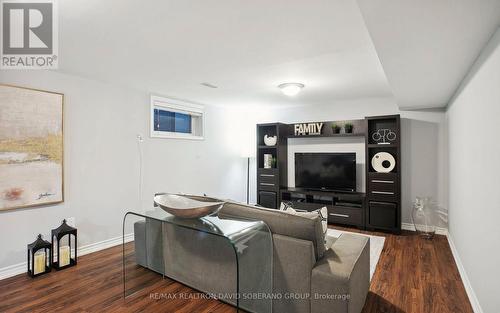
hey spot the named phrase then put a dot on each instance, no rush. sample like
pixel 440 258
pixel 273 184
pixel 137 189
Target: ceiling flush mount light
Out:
pixel 291 89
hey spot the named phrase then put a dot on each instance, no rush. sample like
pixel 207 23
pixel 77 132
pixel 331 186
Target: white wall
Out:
pixel 423 148
pixel 474 175
pixel 102 162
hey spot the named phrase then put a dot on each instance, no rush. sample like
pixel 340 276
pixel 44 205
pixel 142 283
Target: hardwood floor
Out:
pixel 416 275
pixel 413 275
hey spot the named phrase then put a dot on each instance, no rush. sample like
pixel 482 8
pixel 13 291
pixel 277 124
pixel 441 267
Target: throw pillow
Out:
pixel 322 213
pixel 287 207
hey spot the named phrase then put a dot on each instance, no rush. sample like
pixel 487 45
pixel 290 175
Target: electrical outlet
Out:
pixel 71 221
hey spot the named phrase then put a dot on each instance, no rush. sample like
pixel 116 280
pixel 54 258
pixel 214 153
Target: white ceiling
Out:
pixel 247 48
pixel 426 47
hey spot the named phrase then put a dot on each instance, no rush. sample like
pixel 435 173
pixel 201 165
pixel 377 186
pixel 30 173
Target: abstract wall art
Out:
pixel 31 147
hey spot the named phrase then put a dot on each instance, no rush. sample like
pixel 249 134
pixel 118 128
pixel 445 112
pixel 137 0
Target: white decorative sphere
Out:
pixel 270 141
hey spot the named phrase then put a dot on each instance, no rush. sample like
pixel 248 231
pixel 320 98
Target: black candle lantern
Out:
pixel 39 257
pixel 64 243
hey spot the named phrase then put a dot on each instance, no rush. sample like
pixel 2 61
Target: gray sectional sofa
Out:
pixel 336 278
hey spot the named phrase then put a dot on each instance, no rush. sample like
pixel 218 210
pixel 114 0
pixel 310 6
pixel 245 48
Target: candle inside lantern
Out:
pixel 39 259
pixel 63 255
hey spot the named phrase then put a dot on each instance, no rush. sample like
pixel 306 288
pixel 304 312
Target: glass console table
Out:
pixel 227 259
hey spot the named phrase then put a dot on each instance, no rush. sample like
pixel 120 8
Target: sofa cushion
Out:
pixel 281 223
pixel 341 280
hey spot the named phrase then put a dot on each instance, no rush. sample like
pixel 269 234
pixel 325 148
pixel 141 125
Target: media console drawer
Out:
pixel 268 199
pixel 340 215
pixel 268 178
pixel 268 186
pixel 383 187
pixel 383 214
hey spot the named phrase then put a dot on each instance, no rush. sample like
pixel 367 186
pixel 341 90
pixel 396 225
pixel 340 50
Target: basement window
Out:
pixel 176 119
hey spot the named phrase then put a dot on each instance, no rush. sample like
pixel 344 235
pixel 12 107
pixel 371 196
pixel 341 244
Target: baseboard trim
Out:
pixel 98 246
pixel 465 279
pixel 12 270
pixel 411 227
pixel 20 268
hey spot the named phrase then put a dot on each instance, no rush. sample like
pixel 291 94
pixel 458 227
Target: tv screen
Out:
pixel 326 171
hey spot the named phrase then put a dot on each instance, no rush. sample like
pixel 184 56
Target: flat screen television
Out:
pixel 326 171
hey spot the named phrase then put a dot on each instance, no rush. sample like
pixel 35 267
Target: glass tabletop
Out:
pixel 233 229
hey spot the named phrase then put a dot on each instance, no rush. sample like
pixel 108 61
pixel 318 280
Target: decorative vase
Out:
pixel 270 141
pixel 273 162
pixel 424 217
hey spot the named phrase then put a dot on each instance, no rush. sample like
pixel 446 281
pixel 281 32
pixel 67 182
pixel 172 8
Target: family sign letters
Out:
pixel 308 129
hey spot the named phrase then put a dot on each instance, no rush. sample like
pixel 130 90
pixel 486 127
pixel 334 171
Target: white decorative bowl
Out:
pixel 185 207
pixel 270 141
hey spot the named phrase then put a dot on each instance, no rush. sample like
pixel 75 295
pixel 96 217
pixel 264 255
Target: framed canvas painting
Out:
pixel 31 147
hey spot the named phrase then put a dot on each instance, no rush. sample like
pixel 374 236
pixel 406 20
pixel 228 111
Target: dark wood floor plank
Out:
pixel 414 275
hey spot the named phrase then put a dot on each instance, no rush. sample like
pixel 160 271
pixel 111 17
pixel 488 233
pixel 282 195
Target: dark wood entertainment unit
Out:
pixel 343 208
pixel 379 208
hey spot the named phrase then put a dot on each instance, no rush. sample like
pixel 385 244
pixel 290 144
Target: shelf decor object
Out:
pixel 335 128
pixel 185 207
pixel 274 162
pixel 31 147
pixel 308 129
pixel 383 162
pixel 64 242
pixel 348 128
pixel 270 140
pixel 268 160
pixel 39 253
pixel 384 136
pixel 424 217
